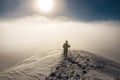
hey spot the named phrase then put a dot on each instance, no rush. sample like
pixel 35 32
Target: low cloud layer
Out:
pixel 35 34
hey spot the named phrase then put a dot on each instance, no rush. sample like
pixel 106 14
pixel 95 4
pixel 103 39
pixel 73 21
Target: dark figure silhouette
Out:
pixel 65 47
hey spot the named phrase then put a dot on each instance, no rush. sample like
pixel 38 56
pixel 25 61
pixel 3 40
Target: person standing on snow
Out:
pixel 65 47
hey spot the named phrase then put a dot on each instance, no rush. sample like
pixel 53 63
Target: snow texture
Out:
pixel 79 65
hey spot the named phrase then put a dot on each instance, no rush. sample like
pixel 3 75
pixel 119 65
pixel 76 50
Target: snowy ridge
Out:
pixel 85 66
pixel 79 65
pixel 34 68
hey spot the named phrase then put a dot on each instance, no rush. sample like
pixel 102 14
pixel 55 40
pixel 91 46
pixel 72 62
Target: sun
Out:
pixel 45 6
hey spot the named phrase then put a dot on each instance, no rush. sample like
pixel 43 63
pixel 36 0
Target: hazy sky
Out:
pixel 91 25
pixel 76 9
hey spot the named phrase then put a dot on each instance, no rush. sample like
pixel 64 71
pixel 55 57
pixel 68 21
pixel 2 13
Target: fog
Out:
pixel 22 38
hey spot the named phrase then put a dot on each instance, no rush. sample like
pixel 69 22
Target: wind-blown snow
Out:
pixel 80 65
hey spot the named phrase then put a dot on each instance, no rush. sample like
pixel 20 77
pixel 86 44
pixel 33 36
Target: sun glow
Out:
pixel 45 6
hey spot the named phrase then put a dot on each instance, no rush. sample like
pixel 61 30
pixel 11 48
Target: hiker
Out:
pixel 65 47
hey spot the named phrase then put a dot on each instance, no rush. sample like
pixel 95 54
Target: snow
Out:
pixel 51 65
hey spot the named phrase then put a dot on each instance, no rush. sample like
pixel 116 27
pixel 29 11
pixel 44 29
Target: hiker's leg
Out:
pixel 66 53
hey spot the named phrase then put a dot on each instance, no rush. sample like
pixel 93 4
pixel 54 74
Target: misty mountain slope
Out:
pixel 34 68
pixel 80 65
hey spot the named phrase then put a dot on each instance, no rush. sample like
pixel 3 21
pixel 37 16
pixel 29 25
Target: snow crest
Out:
pixel 79 65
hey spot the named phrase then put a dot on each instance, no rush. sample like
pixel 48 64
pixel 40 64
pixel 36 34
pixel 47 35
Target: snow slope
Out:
pixel 80 65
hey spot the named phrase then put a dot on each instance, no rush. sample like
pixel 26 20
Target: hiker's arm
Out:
pixel 69 45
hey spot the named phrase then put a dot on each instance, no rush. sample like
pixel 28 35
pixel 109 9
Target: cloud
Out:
pixel 42 33
pixel 76 10
pixel 15 8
